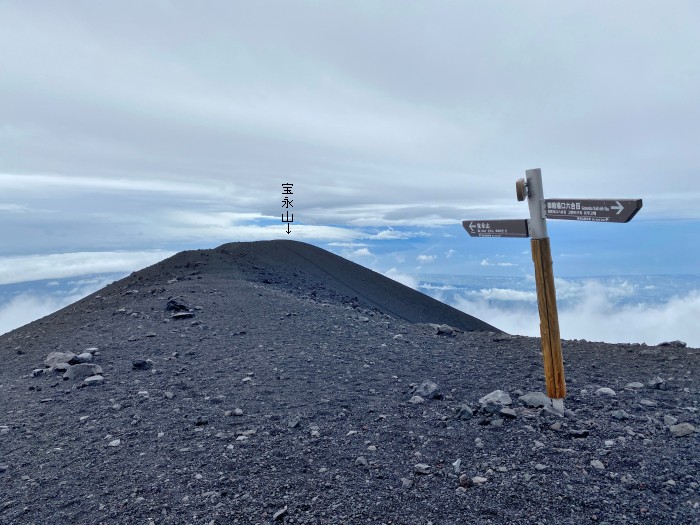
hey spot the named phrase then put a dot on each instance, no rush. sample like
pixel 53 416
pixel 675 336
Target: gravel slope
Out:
pixel 275 404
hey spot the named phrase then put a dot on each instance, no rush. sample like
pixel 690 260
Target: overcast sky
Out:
pixel 163 125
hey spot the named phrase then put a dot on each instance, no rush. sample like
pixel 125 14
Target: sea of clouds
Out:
pixel 635 309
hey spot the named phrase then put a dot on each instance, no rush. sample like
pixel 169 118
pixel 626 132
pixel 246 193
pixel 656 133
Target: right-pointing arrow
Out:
pixel 619 207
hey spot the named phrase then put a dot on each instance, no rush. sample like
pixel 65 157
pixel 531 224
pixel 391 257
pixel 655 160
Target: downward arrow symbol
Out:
pixel 619 207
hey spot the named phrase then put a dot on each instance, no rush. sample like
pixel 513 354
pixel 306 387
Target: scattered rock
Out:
pixel 428 389
pixel 421 468
pixel 670 420
pixel 536 400
pixel 597 464
pixel 682 429
pixel 657 383
pixel 540 467
pixel 85 357
pixel 406 483
pixel 457 466
pixel 498 397
pixel 182 315
pixel 93 380
pixel 55 358
pixel 620 414
pixel 142 364
pixel 82 371
pixel 605 391
pixel 635 385
pixel 115 442
pixel 176 304
pixel 60 368
pixel 416 400
pixel 673 344
pixel 201 421
pixel 578 434
pixel 648 403
pixel 237 412
pixel 38 372
pixel 361 461
pixel 280 514
pixel 508 413
pixel 465 481
pixel 464 412
pixel 478 480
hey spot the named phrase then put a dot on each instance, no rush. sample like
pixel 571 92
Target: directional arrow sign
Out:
pixel 609 210
pixel 498 228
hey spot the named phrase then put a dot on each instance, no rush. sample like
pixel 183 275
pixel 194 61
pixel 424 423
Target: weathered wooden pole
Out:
pixel 546 294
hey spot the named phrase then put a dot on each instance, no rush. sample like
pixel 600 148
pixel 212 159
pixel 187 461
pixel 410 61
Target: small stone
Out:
pixel 246 379
pixel 675 344
pixel 609 442
pixel 508 413
pixel 635 385
pixel 555 426
pixel 597 464
pixel 227 413
pixel 428 389
pixel 85 357
pixel 280 514
pixel 421 468
pixel 294 422
pixel 201 421
pixel 670 420
pixel 168 395
pixel 496 423
pixel 620 414
pixel 182 315
pixel 457 466
pixel 478 480
pixel 142 364
pixel 82 371
pixel 657 383
pixel 648 403
pixel 406 483
pixel 176 304
pixel 464 412
pixel 397 337
pixel 497 396
pixel 133 338
pixel 536 400
pixel 361 461
pixel 540 466
pixel 682 429
pixel 115 442
pixel 578 434
pixel 55 358
pixel 372 448
pixel 38 372
pixel 670 483
pixel 237 412
pixel 93 380
pixel 605 391
pixel 416 400
pixel 151 334
pixel 465 481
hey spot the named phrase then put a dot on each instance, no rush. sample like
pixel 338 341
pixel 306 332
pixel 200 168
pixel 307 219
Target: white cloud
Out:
pixel 449 253
pixel 58 265
pixel 424 259
pixel 28 307
pixel 360 252
pixel 390 234
pixel 403 278
pixel 594 316
pixel 486 262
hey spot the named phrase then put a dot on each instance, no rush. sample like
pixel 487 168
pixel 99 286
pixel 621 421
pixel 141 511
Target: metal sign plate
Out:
pixel 497 228
pixel 594 210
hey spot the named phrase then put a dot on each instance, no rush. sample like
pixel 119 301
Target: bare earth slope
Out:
pixel 275 404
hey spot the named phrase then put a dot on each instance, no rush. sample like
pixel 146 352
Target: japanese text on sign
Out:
pixel 287 203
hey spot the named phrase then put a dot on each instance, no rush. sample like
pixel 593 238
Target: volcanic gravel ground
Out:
pixel 281 402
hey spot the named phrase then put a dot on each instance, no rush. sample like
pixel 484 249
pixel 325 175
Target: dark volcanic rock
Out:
pixel 176 305
pixel 328 386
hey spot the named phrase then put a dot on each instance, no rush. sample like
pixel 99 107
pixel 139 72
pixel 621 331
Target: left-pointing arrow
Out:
pixel 471 227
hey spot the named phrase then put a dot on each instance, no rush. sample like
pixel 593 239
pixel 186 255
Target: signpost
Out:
pixel 516 228
pixel 592 210
pixel 541 209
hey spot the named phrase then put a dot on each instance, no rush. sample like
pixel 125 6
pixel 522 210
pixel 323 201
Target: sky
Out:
pixel 133 130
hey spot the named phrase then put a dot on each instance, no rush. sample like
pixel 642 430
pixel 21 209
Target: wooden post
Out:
pixel 546 295
pixel 549 319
